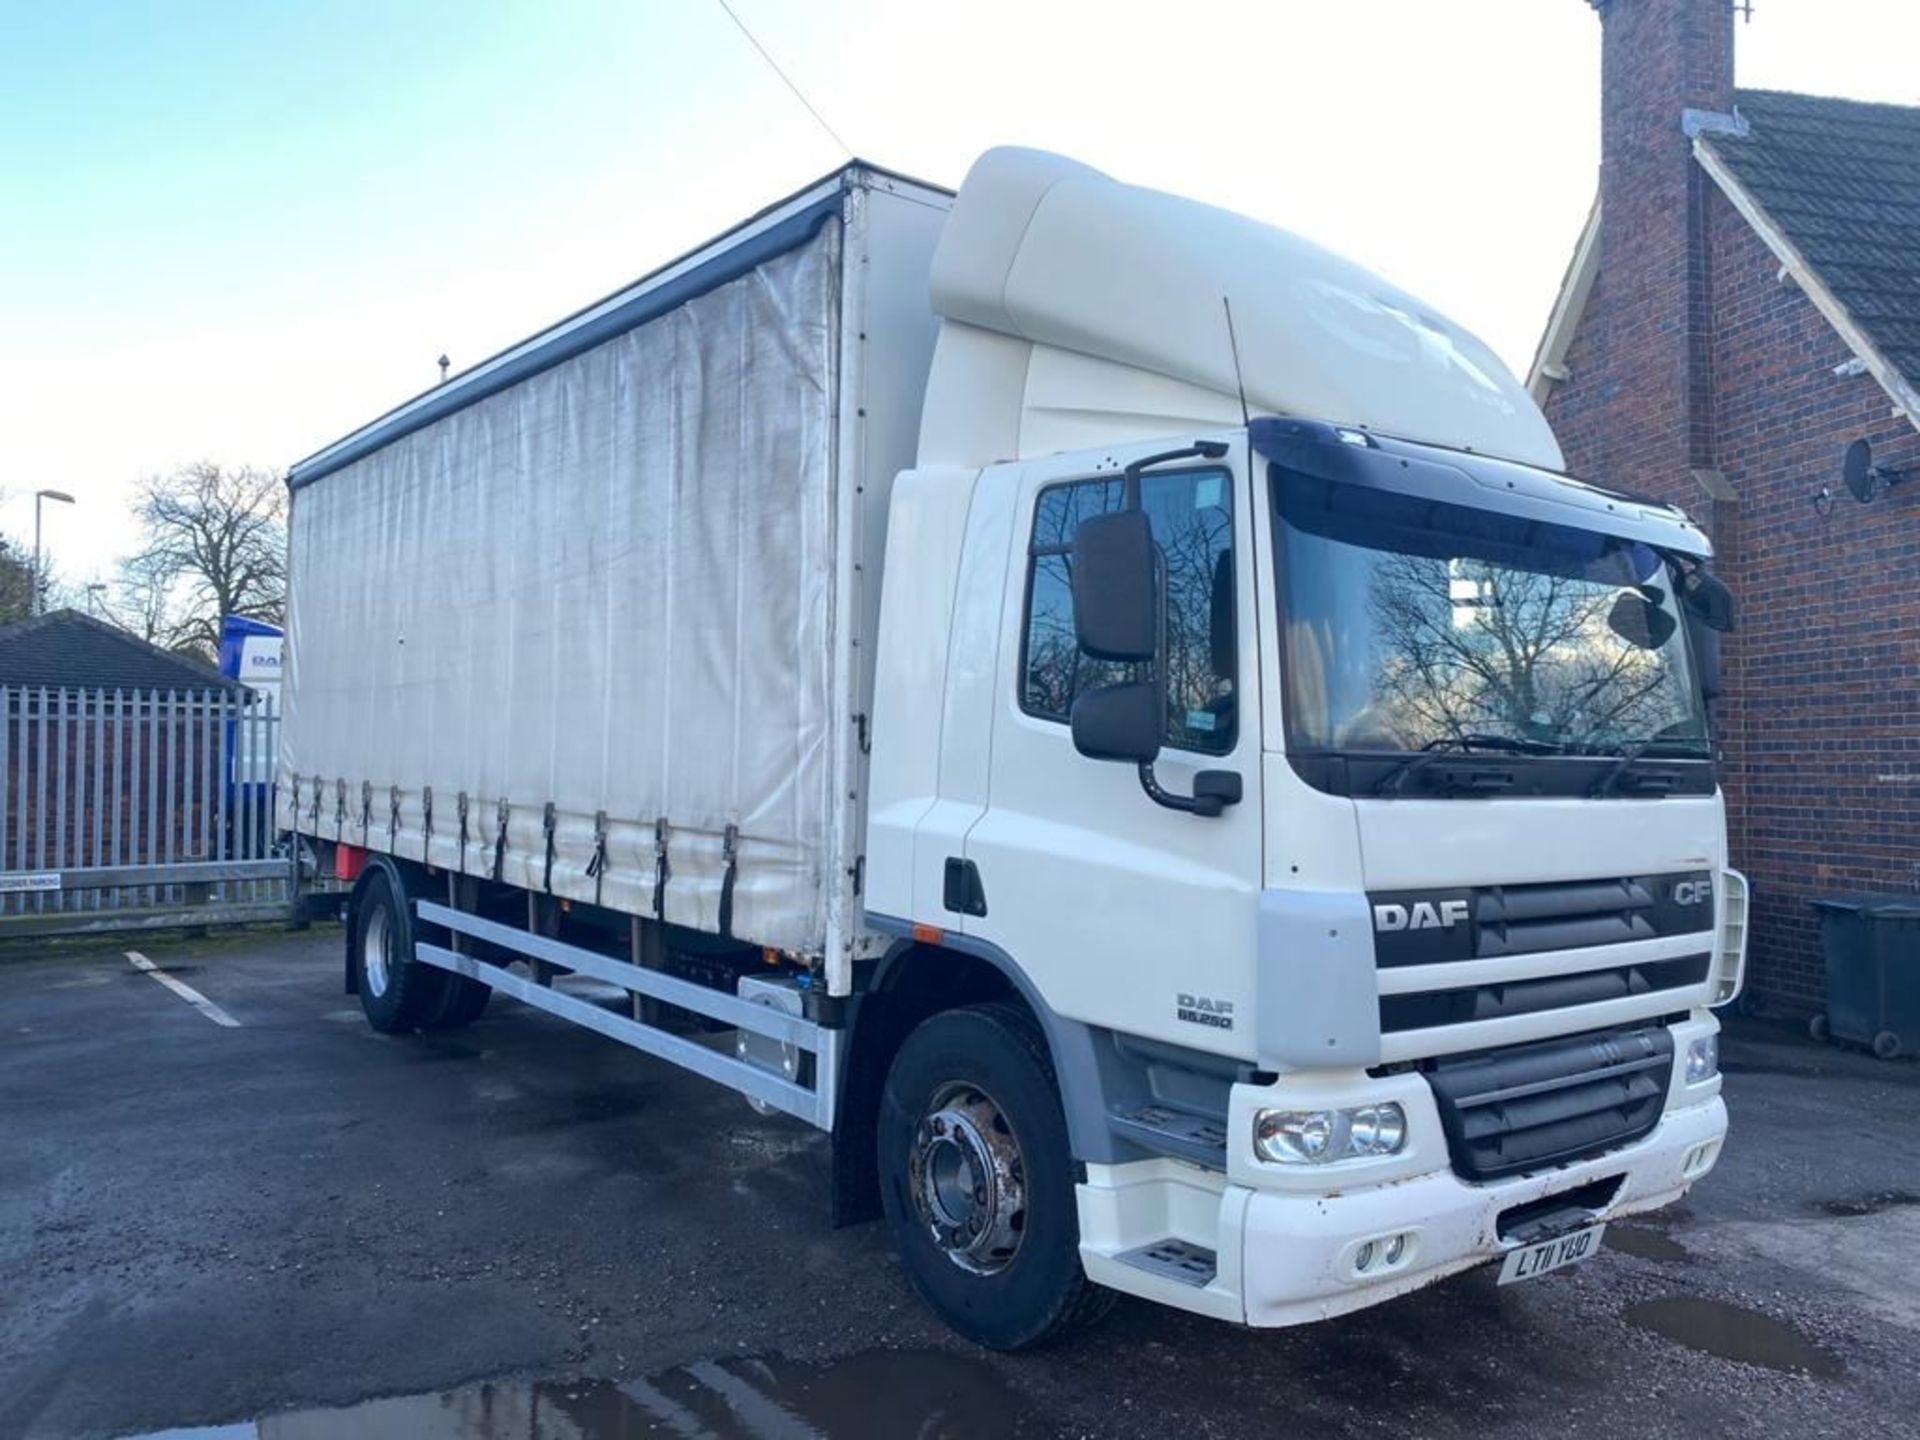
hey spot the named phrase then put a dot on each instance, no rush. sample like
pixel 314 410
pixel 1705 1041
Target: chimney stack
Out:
pixel 1660 59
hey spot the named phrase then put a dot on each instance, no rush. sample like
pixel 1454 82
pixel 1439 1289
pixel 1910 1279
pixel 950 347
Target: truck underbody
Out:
pixel 1534 1141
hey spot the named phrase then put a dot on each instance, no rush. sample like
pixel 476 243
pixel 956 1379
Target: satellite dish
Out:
pixel 1858 472
pixel 1863 477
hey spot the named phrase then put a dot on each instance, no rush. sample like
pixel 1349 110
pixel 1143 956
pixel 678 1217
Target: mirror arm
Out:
pixel 1150 783
pixel 1130 490
pixel 1213 791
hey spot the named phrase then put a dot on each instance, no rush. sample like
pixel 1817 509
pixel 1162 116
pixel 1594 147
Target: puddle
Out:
pixel 1854 1206
pixel 1733 1333
pixel 923 1394
pixel 1644 1244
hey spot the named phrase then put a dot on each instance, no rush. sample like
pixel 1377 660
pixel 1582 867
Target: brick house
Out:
pixel 1743 304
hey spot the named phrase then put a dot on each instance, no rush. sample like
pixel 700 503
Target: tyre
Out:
pixel 397 993
pixel 977 1180
pixel 1819 1029
pixel 1887 1045
pixel 463 1001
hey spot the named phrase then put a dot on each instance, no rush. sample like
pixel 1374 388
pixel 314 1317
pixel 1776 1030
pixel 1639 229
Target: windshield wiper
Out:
pixel 1621 769
pixel 1395 779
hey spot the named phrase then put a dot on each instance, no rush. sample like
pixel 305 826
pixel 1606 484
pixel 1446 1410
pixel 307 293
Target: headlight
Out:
pixel 1703 1059
pixel 1322 1137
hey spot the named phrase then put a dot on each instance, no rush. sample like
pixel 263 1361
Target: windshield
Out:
pixel 1416 624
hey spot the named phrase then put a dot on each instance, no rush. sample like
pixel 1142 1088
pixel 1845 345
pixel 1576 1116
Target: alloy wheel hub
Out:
pixel 375 953
pixel 968 1180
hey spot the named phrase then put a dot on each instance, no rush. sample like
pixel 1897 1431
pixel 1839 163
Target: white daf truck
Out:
pixel 1108 709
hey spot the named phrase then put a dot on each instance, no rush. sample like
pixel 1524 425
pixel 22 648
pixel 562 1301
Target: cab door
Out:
pixel 1123 912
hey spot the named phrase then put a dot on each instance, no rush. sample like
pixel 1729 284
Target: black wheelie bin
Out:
pixel 1872 944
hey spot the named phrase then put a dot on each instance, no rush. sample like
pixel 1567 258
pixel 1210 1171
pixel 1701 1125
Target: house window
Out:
pixel 1191 514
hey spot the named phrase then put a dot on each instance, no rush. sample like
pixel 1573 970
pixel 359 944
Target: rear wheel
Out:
pixel 464 1001
pixel 397 992
pixel 977 1179
pixel 1887 1045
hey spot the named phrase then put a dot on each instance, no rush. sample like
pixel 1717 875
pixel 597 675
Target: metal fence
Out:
pixel 137 809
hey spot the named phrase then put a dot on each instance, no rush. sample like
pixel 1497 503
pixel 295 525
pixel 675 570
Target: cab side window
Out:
pixel 1191 512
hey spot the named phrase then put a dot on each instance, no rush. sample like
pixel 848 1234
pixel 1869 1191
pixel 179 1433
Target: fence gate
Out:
pixel 132 810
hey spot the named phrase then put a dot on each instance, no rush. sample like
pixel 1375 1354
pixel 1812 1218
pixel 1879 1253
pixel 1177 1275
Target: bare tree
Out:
pixel 143 601
pixel 1472 646
pixel 215 544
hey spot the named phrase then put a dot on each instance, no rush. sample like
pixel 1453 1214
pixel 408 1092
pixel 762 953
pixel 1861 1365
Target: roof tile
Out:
pixel 67 649
pixel 1841 178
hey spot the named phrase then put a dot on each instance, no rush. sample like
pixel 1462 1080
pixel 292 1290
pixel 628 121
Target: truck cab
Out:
pixel 1337 789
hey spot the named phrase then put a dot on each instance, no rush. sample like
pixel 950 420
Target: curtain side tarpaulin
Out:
pixel 607 590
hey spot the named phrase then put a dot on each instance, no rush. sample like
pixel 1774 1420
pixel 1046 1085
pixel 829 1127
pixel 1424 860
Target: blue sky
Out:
pixel 235 230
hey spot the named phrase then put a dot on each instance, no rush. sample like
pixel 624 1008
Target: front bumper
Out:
pixel 1298 1255
pixel 1287 1242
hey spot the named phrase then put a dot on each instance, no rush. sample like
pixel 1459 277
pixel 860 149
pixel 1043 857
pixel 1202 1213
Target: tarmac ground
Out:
pixel 259 1217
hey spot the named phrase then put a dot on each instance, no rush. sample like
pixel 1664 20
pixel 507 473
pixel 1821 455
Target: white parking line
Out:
pixel 186 992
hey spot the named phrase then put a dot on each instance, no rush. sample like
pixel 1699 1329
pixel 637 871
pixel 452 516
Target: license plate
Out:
pixel 1555 1254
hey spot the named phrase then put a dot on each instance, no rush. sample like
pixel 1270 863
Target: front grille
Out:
pixel 1513 920
pixel 1434 927
pixel 1427 1008
pixel 1454 965
pixel 1529 1107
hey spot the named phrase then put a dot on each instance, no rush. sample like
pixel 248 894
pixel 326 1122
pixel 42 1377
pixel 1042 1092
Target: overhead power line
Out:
pixel 785 79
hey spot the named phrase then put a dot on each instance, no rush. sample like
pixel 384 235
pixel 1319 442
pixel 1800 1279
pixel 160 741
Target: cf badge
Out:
pixel 1692 892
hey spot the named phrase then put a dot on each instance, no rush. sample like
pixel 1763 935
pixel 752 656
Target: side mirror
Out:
pixel 1706 656
pixel 1640 622
pixel 1706 595
pixel 1116 618
pixel 1119 722
pixel 1116 614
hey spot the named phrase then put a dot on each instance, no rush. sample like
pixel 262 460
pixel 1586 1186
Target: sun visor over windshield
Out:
pixel 1508 491
pixel 1438 529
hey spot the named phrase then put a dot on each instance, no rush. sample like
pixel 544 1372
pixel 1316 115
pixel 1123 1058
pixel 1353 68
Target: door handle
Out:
pixel 965 895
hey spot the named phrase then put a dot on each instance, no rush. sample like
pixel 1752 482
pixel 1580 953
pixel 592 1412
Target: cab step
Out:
pixel 1178 1260
pixel 1177 1134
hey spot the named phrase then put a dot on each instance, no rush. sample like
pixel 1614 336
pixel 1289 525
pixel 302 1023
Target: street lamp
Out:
pixel 39 584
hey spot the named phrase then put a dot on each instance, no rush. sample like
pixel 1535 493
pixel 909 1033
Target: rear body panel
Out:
pixel 590 619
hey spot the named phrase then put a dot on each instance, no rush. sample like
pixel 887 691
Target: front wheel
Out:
pixel 977 1180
